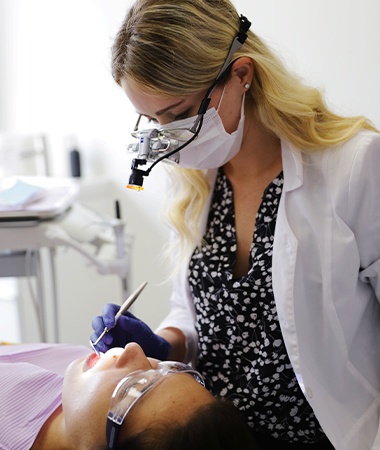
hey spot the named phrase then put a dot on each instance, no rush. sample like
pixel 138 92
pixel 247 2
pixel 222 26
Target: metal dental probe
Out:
pixel 124 307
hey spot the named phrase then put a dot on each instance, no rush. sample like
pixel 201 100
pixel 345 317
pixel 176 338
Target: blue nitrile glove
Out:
pixel 128 329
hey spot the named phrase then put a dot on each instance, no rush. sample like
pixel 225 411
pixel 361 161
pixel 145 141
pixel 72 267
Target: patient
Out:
pixel 56 396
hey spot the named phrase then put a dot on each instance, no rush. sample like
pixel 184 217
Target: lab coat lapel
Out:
pixel 285 250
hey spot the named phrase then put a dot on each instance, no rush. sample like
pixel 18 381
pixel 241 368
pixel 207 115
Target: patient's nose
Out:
pixel 133 358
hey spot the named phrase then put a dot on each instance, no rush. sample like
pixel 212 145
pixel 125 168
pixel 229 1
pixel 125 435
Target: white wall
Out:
pixel 55 78
pixel 334 44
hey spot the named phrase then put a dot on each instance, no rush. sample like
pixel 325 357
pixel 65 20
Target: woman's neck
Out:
pixel 260 152
pixel 51 435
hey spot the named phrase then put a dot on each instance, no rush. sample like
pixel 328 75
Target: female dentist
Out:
pixel 275 210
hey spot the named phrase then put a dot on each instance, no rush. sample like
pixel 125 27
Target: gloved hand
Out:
pixel 128 329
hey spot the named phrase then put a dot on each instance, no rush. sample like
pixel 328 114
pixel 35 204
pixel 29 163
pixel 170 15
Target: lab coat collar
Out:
pixel 292 166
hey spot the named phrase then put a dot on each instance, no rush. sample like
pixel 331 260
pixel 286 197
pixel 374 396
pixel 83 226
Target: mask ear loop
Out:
pixel 221 98
pixel 237 43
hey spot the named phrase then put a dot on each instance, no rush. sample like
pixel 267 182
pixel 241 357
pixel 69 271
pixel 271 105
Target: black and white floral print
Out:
pixel 241 350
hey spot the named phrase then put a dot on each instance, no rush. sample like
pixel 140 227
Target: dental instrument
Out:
pixel 124 307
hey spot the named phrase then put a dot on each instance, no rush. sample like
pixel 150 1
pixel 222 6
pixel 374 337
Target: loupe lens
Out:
pixel 180 134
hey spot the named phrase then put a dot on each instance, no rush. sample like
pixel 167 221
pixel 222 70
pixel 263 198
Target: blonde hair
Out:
pixel 177 47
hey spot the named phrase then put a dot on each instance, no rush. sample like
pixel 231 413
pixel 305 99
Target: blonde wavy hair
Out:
pixel 177 47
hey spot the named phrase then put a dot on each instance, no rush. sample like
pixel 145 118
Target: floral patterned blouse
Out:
pixel 241 349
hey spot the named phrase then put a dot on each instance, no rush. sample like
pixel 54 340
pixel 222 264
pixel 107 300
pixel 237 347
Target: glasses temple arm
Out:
pixel 237 43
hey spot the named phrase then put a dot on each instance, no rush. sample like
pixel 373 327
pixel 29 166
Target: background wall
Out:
pixel 55 78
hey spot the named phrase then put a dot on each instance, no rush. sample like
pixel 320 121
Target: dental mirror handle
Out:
pixel 130 300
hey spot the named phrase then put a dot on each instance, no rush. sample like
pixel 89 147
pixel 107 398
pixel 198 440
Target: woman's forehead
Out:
pixel 156 105
pixel 140 96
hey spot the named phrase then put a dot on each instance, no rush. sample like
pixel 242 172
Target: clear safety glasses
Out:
pixel 134 386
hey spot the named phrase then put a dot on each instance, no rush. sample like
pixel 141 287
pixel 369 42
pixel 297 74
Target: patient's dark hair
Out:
pixel 214 426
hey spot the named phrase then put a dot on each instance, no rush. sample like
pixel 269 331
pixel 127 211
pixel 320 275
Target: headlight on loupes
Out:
pixel 154 145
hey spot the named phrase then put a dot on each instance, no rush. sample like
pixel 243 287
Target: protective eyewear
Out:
pixel 181 134
pixel 133 387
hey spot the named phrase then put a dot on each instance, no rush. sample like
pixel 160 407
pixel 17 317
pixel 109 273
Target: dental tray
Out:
pixel 37 198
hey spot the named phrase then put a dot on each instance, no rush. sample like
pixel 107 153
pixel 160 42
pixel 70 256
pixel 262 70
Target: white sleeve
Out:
pixel 182 310
pixel 182 314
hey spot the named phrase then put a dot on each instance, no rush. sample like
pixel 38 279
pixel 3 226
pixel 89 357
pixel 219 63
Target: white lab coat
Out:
pixel 326 281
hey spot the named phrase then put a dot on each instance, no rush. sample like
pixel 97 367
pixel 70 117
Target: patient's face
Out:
pixel 90 382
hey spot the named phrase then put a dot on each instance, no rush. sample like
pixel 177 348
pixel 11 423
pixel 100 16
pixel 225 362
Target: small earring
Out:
pixel 247 85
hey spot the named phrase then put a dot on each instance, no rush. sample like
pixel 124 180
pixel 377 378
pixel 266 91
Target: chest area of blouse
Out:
pixel 249 198
pixel 239 223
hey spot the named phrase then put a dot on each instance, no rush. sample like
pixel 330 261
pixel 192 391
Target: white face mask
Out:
pixel 213 147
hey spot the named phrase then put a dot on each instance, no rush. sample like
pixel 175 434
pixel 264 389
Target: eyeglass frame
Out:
pixel 156 133
pixel 147 380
